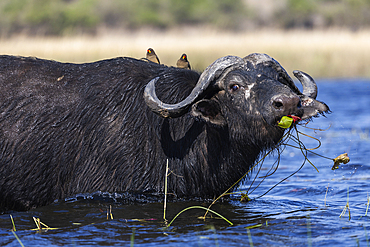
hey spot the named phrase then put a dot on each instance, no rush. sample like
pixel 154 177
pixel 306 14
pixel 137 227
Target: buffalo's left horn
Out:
pixel 308 84
pixel 209 76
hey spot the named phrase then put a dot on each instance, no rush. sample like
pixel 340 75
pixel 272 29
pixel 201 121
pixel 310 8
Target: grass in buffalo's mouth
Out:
pixel 292 135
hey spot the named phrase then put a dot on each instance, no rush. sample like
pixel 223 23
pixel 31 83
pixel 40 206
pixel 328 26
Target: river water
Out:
pixel 304 210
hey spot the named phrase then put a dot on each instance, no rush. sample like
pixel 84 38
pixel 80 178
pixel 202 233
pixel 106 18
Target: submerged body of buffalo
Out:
pixel 71 128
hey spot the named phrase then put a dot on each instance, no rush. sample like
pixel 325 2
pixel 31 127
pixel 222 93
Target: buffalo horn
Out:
pixel 210 74
pixel 308 84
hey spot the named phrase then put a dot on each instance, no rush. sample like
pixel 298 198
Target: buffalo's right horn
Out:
pixel 207 78
pixel 308 84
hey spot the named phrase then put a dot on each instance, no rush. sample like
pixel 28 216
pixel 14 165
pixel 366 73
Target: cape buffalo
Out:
pixel 111 125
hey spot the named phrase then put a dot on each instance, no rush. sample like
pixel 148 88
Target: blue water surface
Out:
pixel 304 210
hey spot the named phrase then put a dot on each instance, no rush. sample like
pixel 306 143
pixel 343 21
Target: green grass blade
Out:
pixel 200 207
pixel 15 235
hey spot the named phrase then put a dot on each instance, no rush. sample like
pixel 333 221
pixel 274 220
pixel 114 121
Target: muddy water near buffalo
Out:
pixel 304 210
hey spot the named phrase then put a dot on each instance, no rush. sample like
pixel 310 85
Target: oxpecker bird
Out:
pixel 151 56
pixel 183 62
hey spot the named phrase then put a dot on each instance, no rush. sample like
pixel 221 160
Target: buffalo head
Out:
pixel 232 86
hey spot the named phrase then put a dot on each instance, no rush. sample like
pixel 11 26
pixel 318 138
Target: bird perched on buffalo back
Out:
pixel 183 62
pixel 151 56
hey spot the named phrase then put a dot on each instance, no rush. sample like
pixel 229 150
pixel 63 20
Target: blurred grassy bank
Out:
pixel 333 53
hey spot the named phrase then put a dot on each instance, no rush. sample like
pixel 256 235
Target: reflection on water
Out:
pixel 301 211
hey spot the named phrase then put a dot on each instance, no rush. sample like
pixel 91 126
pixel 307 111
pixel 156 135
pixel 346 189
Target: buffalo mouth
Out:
pixel 304 115
pixel 309 108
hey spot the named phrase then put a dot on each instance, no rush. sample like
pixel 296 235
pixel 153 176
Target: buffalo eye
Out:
pixel 235 87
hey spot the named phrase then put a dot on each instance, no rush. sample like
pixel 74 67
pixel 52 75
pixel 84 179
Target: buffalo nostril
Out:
pixel 278 104
pixel 286 103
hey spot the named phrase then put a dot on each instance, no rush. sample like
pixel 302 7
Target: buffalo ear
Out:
pixel 209 111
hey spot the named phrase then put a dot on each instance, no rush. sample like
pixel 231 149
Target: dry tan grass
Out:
pixel 334 53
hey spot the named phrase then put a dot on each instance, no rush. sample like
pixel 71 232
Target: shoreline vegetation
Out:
pixel 332 53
